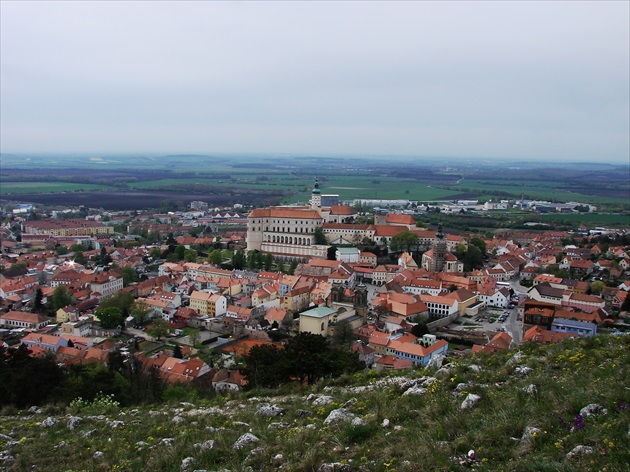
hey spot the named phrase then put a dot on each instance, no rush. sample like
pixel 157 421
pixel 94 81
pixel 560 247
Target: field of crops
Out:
pixel 347 187
pixel 603 219
pixel 18 188
pixel 542 190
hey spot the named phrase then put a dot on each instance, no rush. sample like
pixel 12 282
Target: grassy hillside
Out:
pixel 527 418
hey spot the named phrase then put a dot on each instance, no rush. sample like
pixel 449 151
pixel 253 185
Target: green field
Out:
pixel 590 218
pixel 17 188
pixel 347 187
pixel 283 175
pixel 542 190
pixel 385 188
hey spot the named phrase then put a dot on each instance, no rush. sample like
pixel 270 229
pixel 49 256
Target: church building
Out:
pixel 438 258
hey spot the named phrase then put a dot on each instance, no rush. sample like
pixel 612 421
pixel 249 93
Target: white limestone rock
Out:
pixel 578 451
pixel 206 445
pixel 49 422
pixel 340 415
pixel 323 400
pixel 73 422
pixel 187 463
pixel 244 440
pixel 523 371
pixel 593 409
pixel 269 411
pixel 334 467
pixel 415 391
pixel 531 389
pixel 529 434
pixel 515 359
pixel 436 362
pixel 470 401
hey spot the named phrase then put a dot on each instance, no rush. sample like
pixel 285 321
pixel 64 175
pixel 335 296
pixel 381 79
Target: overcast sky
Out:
pixel 540 80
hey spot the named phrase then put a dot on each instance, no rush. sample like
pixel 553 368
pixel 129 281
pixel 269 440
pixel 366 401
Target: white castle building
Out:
pixel 290 231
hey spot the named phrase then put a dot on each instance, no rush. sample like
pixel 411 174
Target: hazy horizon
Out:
pixel 516 81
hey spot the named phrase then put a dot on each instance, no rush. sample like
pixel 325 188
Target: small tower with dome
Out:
pixel 316 196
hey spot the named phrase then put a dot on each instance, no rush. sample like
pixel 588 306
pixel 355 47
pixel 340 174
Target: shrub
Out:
pixel 100 405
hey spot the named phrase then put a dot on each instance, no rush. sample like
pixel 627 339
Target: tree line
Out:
pixel 305 358
pixel 28 380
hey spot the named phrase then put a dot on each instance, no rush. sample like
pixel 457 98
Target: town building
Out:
pixel 290 231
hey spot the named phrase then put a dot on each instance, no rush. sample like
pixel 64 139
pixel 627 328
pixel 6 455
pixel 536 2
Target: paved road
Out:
pixel 517 287
pixel 129 331
pixel 514 327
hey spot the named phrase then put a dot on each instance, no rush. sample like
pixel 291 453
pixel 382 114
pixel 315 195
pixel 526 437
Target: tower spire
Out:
pixel 316 195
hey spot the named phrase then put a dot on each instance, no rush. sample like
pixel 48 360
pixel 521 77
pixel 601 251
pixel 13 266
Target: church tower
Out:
pixel 439 251
pixel 360 301
pixel 316 196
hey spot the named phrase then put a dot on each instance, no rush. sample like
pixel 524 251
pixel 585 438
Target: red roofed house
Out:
pixel 418 354
pixel 537 334
pixel 499 342
pixel 392 363
pixel 226 380
pixel 279 315
pixel 22 319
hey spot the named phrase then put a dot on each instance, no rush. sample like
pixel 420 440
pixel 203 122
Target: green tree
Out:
pixel 461 251
pixel 215 257
pixel 420 329
pixel 61 297
pixel 155 253
pixel 473 259
pixel 331 253
pixel 320 237
pixel 258 258
pixel 267 261
pixel 177 352
pixel 308 357
pixel 121 300
pixel 293 266
pixel 597 287
pixel 480 243
pixel 110 317
pixel 153 237
pixel 266 366
pixel 180 251
pixel 251 260
pixel 190 255
pixel 625 306
pixel 77 247
pixel 79 258
pixel 129 275
pixel 37 303
pixel 343 333
pixel 140 311
pixel 403 241
pixel 27 380
pixel 238 259
pixel 159 328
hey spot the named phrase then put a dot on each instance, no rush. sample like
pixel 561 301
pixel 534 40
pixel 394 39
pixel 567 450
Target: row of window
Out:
pixel 289 240
pixel 279 229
